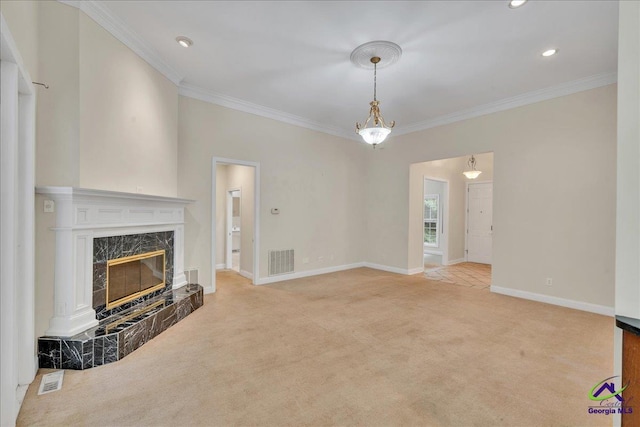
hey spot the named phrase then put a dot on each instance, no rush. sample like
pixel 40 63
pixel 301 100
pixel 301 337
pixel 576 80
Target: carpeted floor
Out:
pixel 360 347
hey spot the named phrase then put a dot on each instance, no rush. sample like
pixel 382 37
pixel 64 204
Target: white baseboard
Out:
pixel 246 274
pixel 456 261
pixel 208 289
pixel 577 305
pixel 388 268
pixel 430 252
pixel 222 266
pixel 283 277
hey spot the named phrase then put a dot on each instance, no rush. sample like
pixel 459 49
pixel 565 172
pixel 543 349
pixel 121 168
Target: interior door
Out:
pixel 480 222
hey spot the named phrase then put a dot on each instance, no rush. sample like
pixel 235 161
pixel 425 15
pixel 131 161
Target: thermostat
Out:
pixel 275 211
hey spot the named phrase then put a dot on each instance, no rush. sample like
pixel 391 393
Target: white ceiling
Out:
pixel 460 58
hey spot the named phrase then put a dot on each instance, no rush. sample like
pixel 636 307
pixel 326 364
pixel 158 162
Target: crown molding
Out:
pixel 212 97
pixel 114 25
pixel 532 97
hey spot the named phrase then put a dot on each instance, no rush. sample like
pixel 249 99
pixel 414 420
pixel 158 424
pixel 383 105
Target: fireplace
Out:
pixel 119 275
pixel 133 277
pixel 112 254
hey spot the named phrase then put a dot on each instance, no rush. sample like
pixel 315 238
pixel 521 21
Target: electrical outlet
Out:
pixel 549 281
pixel 305 260
pixel 139 189
pixel 320 258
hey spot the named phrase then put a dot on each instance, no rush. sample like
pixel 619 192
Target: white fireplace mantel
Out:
pixel 84 214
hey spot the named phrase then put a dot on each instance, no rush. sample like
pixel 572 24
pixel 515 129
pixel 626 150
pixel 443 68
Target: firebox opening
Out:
pixel 134 276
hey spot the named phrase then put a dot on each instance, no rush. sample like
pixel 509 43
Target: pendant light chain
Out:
pixel 375 77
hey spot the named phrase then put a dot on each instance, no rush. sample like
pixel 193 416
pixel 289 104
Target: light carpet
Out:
pixel 359 347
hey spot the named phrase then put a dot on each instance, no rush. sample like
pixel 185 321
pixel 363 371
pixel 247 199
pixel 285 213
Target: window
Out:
pixel 431 220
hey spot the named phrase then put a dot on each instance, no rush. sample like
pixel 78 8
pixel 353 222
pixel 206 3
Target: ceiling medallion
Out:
pixel 388 52
pixel 378 54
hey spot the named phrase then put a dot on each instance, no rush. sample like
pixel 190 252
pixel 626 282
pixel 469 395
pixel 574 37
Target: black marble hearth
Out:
pixel 121 333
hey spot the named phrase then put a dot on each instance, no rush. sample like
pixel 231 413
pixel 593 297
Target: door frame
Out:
pixel 229 241
pixel 444 235
pixel 215 161
pixel 466 216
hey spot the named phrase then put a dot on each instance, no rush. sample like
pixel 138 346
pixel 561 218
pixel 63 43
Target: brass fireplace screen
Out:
pixel 134 276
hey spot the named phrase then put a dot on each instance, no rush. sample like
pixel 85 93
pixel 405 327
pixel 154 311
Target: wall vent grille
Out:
pixel 281 262
pixel 51 382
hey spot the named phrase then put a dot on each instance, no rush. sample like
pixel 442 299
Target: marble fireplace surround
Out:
pixel 83 215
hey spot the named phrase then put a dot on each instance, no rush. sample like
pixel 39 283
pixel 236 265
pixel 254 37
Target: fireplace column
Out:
pixel 73 289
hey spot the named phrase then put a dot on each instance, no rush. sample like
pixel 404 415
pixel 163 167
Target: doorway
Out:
pixel 437 237
pixel 229 176
pixel 435 211
pixel 234 238
pixel 479 222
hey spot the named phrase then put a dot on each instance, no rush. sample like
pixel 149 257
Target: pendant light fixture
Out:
pixel 374 129
pixel 472 173
pixel 378 131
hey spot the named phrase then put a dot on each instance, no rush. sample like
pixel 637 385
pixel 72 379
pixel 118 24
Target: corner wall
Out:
pixel 544 201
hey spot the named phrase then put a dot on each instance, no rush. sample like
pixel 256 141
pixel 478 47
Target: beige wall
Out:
pixel 58 108
pixel 128 118
pixel 628 201
pixel 543 199
pixel 450 170
pixel 316 181
pixel 108 120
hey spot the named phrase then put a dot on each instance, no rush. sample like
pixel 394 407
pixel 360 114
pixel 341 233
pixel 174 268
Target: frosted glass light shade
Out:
pixel 472 174
pixel 374 135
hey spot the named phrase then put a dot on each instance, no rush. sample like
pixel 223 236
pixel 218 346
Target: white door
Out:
pixel 479 222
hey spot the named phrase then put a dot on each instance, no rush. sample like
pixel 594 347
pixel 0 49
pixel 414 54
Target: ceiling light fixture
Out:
pixel 376 54
pixel 549 52
pixel 472 173
pixel 379 130
pixel 514 4
pixel 184 41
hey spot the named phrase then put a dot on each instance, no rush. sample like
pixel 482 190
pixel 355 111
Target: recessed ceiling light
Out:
pixel 550 52
pixel 184 41
pixel 513 4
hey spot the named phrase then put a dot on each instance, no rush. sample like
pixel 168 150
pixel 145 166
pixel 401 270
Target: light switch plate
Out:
pixel 49 206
